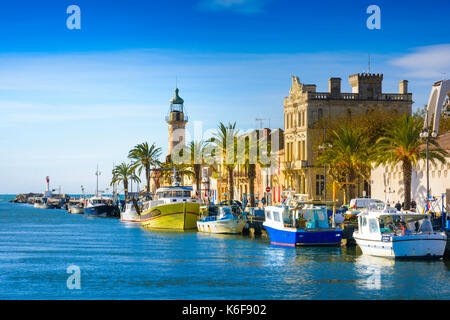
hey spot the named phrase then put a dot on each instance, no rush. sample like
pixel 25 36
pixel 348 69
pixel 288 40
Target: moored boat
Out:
pixel 129 214
pixel 75 209
pixel 300 223
pixel 224 222
pixel 398 234
pixel 40 203
pixel 172 209
pixel 101 207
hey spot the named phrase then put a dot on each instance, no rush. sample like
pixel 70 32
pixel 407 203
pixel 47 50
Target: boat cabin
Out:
pixel 306 217
pixel 392 222
pixel 172 194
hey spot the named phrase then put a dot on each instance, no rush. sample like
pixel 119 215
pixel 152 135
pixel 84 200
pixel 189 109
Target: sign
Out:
pixel 268 189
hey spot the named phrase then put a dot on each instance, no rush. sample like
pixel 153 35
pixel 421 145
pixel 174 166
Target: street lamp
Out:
pixel 425 135
pixel 322 148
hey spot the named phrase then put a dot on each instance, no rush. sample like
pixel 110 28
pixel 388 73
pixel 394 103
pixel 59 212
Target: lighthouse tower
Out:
pixel 176 121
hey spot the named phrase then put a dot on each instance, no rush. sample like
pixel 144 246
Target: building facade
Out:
pixel 304 108
pixel 387 181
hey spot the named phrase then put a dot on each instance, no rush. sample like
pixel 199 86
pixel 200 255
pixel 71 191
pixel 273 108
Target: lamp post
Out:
pixel 425 135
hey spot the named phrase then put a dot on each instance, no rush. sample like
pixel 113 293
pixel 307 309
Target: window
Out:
pixel 364 222
pixel 320 116
pixel 276 216
pixel 268 215
pixel 320 184
pixel 373 225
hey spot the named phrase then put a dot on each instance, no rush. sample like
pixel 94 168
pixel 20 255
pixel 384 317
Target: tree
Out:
pixel 144 157
pixel 401 143
pixel 195 150
pixel 348 152
pixel 123 173
pixel 225 139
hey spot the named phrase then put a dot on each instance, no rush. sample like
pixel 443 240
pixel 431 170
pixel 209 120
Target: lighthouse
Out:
pixel 176 121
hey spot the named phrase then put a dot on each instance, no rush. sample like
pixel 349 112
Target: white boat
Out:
pixel 398 234
pixel 130 214
pixel 42 203
pixel 75 209
pixel 224 222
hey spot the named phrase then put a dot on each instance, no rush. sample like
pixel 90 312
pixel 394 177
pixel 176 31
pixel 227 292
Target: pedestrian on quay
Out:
pixel 398 206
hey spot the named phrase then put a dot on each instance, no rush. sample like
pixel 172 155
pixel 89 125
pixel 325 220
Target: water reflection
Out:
pixel 371 271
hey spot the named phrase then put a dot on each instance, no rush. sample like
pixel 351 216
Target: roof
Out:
pixel 391 212
pixel 444 140
pixel 176 99
pixel 174 188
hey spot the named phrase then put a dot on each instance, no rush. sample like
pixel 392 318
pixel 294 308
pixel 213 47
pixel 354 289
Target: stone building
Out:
pixel 387 183
pixel 304 108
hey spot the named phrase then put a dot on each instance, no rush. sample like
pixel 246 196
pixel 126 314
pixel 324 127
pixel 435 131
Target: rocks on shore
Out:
pixel 26 197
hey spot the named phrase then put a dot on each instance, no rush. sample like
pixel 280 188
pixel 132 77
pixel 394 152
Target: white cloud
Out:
pixel 240 6
pixel 425 62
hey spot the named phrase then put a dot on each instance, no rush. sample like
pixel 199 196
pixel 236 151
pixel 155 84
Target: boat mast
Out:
pixel 97 173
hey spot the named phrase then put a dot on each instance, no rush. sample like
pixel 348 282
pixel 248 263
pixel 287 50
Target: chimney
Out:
pixel 403 87
pixel 334 86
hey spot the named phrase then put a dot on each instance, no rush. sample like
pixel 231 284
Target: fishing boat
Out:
pixel 300 223
pixel 101 207
pixel 129 214
pixel 398 234
pixel 41 203
pixel 172 209
pixel 224 222
pixel 75 209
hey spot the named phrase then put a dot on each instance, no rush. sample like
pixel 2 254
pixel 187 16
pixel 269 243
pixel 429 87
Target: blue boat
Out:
pixel 294 225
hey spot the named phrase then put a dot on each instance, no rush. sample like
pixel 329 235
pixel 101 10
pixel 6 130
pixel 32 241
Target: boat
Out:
pixel 41 203
pixel 172 209
pixel 75 209
pixel 129 214
pixel 300 223
pixel 398 234
pixel 101 207
pixel 224 222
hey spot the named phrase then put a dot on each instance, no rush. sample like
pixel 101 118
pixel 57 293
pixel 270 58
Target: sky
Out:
pixel 72 99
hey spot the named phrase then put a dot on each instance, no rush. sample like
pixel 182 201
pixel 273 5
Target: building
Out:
pixel 304 108
pixel 266 175
pixel 387 184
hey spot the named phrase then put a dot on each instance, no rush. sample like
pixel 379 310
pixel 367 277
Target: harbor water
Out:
pixel 121 261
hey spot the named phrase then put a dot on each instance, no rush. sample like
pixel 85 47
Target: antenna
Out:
pixel 260 122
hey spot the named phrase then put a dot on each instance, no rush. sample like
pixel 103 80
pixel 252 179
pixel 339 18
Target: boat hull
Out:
pixel 426 246
pixel 228 226
pixel 101 211
pixel 132 216
pixel 303 237
pixel 76 210
pixel 174 216
pixel 43 206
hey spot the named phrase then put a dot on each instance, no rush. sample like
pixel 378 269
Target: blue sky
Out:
pixel 70 99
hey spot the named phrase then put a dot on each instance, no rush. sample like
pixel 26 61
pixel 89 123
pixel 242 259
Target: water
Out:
pixel 118 261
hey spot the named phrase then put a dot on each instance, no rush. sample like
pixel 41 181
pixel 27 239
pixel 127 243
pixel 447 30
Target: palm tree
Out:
pixel 224 136
pixel 348 152
pixel 144 157
pixel 123 173
pixel 402 143
pixel 195 150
